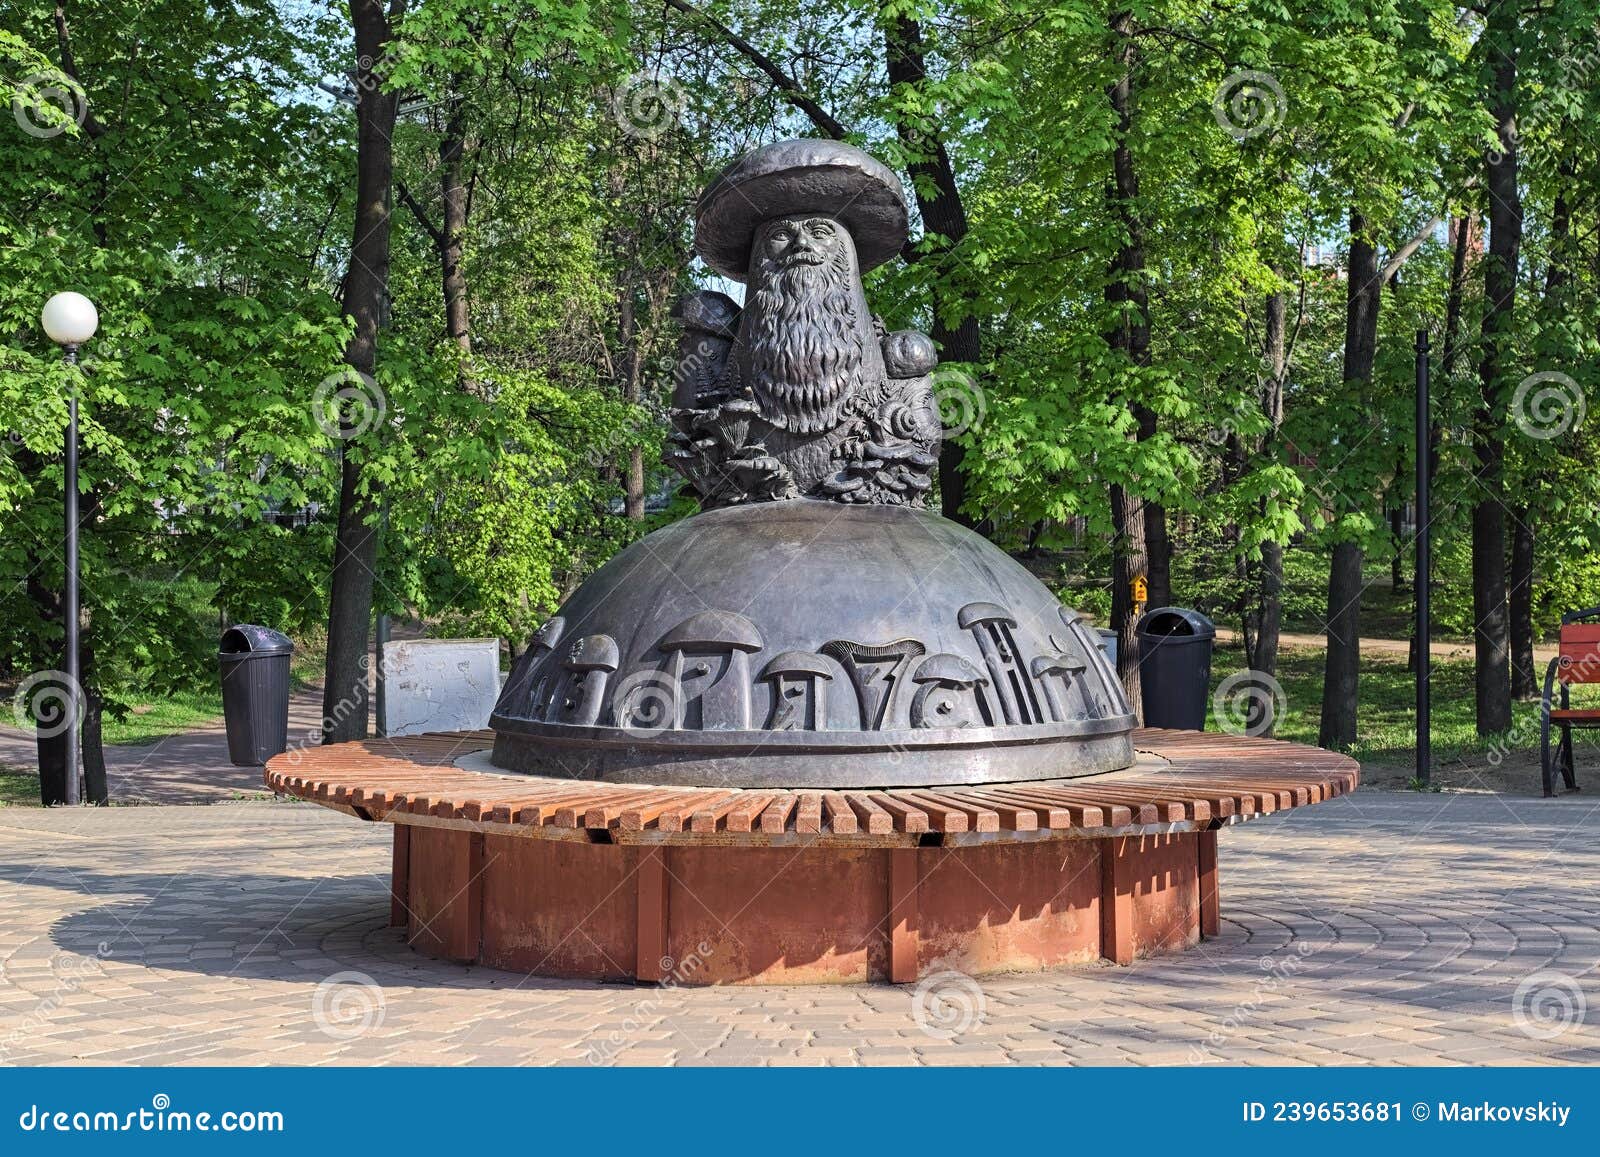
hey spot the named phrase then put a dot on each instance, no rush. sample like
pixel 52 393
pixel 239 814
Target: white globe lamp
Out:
pixel 70 319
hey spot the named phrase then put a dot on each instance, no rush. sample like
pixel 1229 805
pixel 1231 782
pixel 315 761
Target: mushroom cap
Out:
pixel 549 635
pixel 713 629
pixel 1049 664
pixel 974 613
pixel 797 663
pixel 955 670
pixel 593 653
pixel 824 177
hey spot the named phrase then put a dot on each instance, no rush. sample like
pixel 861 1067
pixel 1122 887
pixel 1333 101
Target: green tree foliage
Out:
pixel 179 186
pixel 203 199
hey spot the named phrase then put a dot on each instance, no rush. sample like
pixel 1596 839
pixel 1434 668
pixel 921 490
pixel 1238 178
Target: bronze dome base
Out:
pixel 808 643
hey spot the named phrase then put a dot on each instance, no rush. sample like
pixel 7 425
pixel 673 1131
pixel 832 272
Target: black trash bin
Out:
pixel 255 692
pixel 1175 667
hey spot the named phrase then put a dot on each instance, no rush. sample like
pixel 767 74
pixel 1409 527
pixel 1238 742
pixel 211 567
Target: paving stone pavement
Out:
pixel 1388 929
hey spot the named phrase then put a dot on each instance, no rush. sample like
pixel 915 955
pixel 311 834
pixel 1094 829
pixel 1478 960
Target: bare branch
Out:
pixel 1402 254
pixel 419 213
pixel 787 86
pixel 69 65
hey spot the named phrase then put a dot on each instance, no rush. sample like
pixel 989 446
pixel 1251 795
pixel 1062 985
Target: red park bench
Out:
pixel 1577 662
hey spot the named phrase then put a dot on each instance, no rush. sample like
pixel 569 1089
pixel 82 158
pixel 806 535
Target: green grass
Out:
pixel 156 719
pixel 18 788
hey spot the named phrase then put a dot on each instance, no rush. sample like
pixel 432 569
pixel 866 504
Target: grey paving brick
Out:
pixel 219 934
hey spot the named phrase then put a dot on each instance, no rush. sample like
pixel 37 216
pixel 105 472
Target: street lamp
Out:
pixel 69 320
pixel 1424 570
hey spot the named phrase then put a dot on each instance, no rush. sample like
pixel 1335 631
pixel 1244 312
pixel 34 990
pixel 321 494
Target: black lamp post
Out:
pixel 1424 571
pixel 69 320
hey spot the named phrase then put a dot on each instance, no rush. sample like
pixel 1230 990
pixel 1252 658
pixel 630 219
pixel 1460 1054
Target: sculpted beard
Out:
pixel 805 344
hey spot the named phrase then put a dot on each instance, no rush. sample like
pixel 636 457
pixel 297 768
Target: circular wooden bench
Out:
pixel 705 885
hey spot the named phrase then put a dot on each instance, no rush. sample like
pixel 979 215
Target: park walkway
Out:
pixel 1381 928
pixel 190 767
pixel 1542 652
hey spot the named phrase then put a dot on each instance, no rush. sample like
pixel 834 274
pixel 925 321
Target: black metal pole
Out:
pixel 1424 571
pixel 381 675
pixel 69 607
pixel 381 688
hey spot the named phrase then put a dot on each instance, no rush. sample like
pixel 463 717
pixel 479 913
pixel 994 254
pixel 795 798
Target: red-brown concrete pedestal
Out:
pixel 706 915
pixel 701 886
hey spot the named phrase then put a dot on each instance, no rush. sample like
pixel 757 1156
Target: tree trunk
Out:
pixel 1558 275
pixel 47 601
pixel 1232 466
pixel 628 335
pixel 452 236
pixel 1397 521
pixel 955 329
pixel 1128 558
pixel 355 557
pixel 91 743
pixel 1491 636
pixel 1132 517
pixel 96 787
pixel 1263 656
pixel 449 236
pixel 1342 668
pixel 1157 542
pixel 1524 676
pixel 1341 676
pixel 52 749
pixel 1463 237
pixel 1269 625
pixel 52 752
pixel 1524 680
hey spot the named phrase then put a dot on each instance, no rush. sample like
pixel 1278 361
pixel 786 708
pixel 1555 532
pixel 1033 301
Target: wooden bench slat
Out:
pixel 775 818
pixel 1077 813
pixel 709 816
pixel 908 817
pixel 640 814
pixel 1053 817
pixel 1228 799
pixel 841 816
pixel 981 817
pixel 1202 777
pixel 942 816
pixel 808 816
pixel 678 817
pixel 1116 814
pixel 874 818
pixel 741 817
pixel 1011 817
pixel 573 813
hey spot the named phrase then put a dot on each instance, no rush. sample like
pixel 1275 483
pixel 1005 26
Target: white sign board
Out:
pixel 439 684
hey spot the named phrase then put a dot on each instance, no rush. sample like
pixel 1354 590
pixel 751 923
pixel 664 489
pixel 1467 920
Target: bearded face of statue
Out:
pixel 805 322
